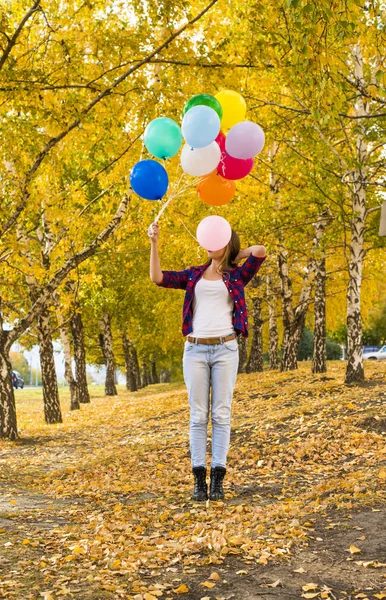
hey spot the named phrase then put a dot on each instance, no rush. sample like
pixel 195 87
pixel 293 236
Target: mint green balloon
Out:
pixel 163 137
pixel 206 100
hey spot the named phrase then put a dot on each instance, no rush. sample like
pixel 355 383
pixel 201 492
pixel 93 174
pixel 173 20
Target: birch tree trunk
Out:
pixel 354 369
pixel 44 298
pixel 52 412
pixel 273 331
pixel 137 372
pixel 107 348
pixel 319 356
pixel 255 361
pixel 291 324
pixel 131 380
pixel 80 357
pixel 294 318
pixel 72 384
pixel 8 422
pixel 154 374
pixel 243 354
pixel 145 374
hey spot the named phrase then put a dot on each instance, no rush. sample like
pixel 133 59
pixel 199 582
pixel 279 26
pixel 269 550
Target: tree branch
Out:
pixel 12 40
pixel 46 292
pixel 54 141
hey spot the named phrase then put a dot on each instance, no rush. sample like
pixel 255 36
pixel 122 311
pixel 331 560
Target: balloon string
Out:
pixel 179 191
pixel 191 234
pixel 163 208
pixel 222 161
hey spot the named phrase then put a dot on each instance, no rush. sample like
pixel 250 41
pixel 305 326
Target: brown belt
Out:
pixel 219 340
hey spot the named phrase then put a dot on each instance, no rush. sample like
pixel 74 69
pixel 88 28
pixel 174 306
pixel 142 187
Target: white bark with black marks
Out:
pixel 52 411
pixel 108 353
pixel 45 298
pixel 294 318
pixel 131 380
pixel 80 357
pixel 68 374
pixel 319 355
pixel 243 354
pixel 273 350
pixel 255 362
pixel 135 362
pixel 354 369
pixel 8 423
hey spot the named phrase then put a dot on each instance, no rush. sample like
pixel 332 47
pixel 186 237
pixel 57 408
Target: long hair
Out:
pixel 231 251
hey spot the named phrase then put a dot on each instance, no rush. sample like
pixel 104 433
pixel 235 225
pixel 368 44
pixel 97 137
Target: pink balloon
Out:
pixel 245 140
pixel 234 168
pixel 213 233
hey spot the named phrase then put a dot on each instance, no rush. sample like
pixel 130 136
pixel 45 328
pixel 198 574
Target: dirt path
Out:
pixel 324 568
pixel 99 508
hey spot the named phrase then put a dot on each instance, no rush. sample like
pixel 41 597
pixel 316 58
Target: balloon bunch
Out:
pixel 218 159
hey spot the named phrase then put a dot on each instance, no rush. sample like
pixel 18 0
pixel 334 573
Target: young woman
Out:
pixel 214 314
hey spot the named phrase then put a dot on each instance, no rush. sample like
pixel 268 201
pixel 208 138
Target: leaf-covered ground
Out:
pixel 99 507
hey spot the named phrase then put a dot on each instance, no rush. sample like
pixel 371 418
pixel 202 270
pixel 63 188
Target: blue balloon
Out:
pixel 200 126
pixel 149 179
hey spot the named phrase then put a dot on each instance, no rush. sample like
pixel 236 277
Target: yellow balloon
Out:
pixel 233 108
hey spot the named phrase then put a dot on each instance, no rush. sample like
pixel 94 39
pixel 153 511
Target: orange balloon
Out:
pixel 216 190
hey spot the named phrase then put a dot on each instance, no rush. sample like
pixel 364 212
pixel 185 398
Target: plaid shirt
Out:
pixel 235 281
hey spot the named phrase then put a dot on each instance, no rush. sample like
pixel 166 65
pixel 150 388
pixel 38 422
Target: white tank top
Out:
pixel 212 309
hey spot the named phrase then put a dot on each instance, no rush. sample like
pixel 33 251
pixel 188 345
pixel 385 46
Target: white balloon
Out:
pixel 200 161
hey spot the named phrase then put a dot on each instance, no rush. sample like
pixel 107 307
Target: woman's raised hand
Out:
pixel 153 232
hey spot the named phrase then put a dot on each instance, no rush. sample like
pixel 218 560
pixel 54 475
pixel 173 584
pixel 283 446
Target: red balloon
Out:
pixel 220 139
pixel 234 168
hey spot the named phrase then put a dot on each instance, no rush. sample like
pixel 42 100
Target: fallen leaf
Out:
pixel 300 570
pixel 353 549
pixel 208 584
pixel 308 587
pixel 310 595
pixel 215 576
pixel 182 589
pixel 275 584
pixel 380 596
pixel 148 596
pixel 382 473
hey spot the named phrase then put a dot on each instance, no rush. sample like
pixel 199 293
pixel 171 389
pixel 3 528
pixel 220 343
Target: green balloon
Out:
pixel 205 99
pixel 163 137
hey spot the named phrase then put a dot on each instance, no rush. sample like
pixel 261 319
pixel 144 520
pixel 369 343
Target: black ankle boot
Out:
pixel 200 491
pixel 216 478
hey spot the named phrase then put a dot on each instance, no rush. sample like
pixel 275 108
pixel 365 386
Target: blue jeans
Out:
pixel 210 367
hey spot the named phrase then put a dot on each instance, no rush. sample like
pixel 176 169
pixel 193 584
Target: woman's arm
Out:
pixel 258 251
pixel 156 274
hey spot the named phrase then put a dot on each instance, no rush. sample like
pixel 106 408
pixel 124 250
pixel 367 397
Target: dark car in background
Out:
pixel 17 380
